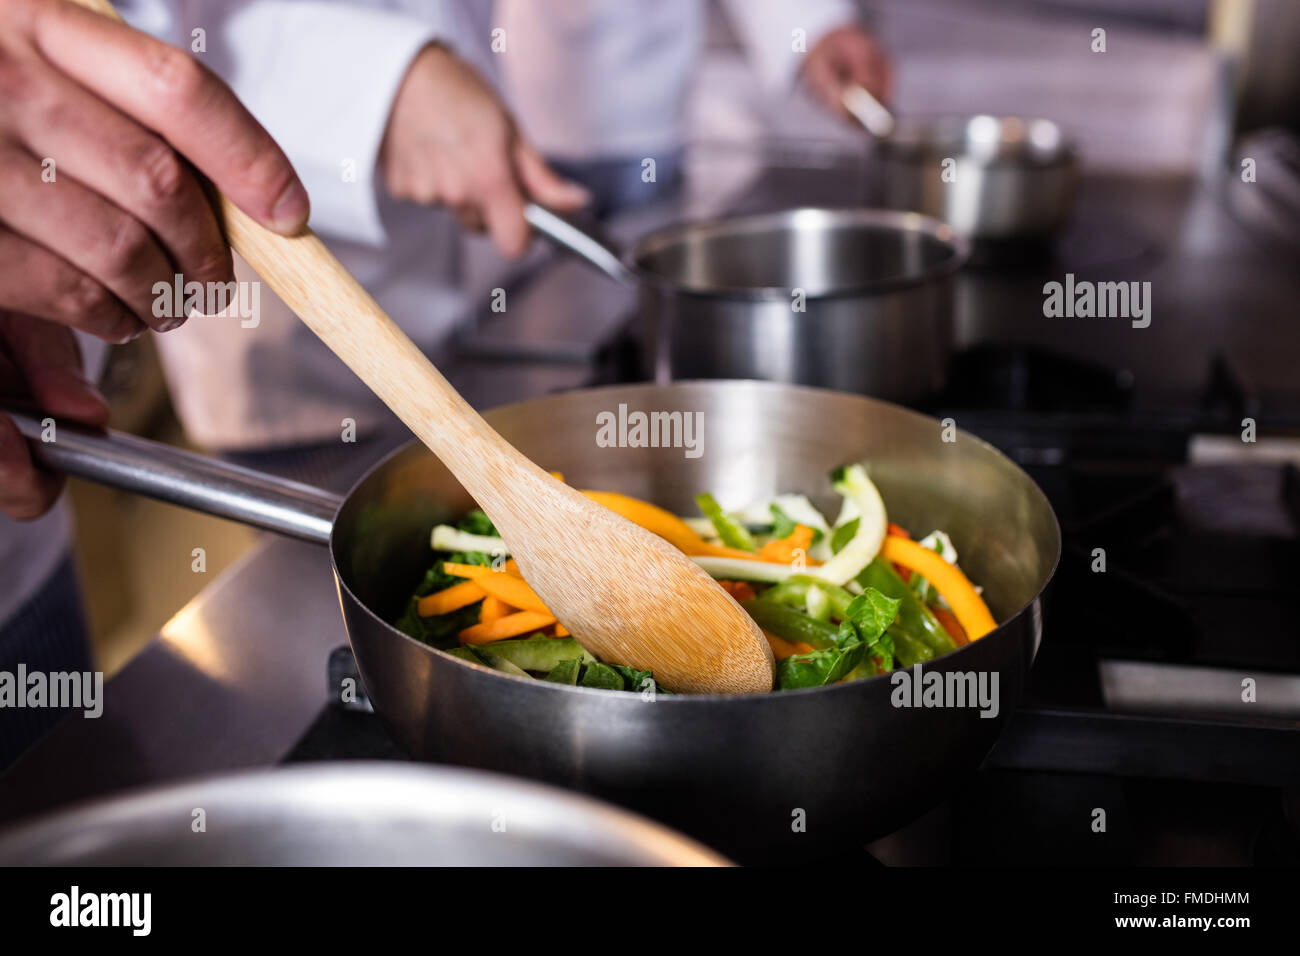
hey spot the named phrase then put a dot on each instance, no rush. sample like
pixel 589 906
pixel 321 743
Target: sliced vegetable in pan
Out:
pixel 837 602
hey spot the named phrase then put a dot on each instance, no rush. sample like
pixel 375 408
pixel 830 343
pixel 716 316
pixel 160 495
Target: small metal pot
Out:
pixel 857 300
pixel 989 177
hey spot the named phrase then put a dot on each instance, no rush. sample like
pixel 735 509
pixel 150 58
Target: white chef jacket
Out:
pixel 631 63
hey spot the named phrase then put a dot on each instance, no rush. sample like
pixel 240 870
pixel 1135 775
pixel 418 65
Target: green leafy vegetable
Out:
pixel 476 522
pixel 566 672
pixel 916 628
pixel 634 679
pixel 601 676
pixel 440 631
pixel 859 638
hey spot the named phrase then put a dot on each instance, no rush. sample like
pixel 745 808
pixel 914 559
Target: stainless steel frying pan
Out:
pixel 758 777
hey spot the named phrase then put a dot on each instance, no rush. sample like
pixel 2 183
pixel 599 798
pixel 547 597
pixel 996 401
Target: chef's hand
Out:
pixel 97 202
pixel 451 141
pixel 844 56
pixel 40 364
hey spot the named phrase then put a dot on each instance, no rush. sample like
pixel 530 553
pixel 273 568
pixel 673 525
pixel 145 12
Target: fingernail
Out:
pixel 132 332
pixel 291 210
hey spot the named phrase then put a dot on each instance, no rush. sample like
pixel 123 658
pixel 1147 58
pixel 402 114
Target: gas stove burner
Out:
pixel 1017 377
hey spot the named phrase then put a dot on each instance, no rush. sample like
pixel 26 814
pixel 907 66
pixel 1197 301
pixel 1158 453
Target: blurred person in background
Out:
pixel 601 85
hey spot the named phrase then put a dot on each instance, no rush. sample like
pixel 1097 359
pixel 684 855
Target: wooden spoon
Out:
pixel 626 595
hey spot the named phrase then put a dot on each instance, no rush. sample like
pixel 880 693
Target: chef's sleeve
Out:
pixel 321 76
pixel 776 34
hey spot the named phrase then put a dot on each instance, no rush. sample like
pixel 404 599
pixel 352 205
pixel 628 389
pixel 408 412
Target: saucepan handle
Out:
pixel 583 243
pixel 180 477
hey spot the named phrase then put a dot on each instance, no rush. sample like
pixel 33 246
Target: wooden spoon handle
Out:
pixel 325 296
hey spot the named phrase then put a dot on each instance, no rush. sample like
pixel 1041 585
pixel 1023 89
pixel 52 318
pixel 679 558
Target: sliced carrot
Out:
pixel 493 609
pixel 558 476
pixel 781 648
pixel 450 599
pixel 740 590
pixel 966 604
pixel 950 624
pixel 510 588
pixel 665 524
pixel 561 630
pixel 512 625
pixel 782 550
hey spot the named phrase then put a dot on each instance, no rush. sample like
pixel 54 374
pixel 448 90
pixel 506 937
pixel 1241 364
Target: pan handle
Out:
pixel 584 244
pixel 180 477
pixel 868 111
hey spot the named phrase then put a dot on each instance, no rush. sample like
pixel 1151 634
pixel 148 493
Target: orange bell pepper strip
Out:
pixel 450 599
pixel 970 609
pixel 512 625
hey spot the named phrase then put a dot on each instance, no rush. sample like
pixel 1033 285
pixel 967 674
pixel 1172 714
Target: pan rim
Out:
pixel 634 697
pixel 899 220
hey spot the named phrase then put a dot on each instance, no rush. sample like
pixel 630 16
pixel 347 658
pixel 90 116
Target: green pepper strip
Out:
pixel 793 591
pixel 789 624
pixel 732 533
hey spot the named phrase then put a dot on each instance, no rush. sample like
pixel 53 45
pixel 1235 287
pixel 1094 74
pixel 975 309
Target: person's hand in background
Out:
pixel 844 56
pixel 97 202
pixel 98 126
pixel 451 141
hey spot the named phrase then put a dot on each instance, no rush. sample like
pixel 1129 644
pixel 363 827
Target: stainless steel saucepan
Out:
pixel 852 299
pixel 757 776
pixel 989 177
pixel 349 814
